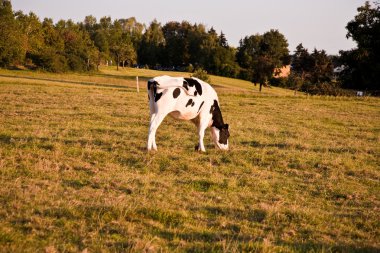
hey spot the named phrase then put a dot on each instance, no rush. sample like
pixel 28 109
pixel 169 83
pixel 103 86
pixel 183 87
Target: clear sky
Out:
pixel 315 23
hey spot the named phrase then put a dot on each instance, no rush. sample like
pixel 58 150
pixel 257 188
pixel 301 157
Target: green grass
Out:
pixel 302 173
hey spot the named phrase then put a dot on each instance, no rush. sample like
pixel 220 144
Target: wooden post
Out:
pixel 137 84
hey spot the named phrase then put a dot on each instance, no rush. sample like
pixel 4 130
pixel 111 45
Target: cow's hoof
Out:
pixel 197 148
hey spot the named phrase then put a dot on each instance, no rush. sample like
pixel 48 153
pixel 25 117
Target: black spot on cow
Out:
pixel 195 93
pixel 217 121
pixel 185 85
pixel 212 109
pixel 193 104
pixel 157 97
pixel 201 106
pixel 190 102
pixel 149 84
pixel 152 84
pixel 176 92
pixel 192 82
pixel 224 134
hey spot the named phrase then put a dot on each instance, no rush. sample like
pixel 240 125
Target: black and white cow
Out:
pixel 186 99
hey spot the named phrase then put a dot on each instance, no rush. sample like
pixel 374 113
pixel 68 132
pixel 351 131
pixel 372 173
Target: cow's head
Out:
pixel 220 136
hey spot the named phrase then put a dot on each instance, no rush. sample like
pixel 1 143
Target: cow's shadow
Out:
pixel 257 144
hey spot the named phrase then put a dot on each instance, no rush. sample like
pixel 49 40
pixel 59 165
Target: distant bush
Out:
pixel 50 61
pixel 295 82
pixel 76 63
pixel 190 68
pixel 326 88
pixel 279 82
pixel 229 70
pixel 201 74
pixel 245 74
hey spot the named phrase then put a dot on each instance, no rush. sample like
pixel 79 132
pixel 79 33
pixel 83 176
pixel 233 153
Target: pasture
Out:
pixel 302 173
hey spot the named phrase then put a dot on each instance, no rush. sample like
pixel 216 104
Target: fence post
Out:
pixel 137 84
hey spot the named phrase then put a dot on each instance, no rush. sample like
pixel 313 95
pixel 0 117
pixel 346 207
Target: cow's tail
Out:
pixel 152 89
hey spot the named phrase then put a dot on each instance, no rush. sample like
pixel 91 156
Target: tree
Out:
pixel 302 62
pixel 312 73
pixel 260 55
pixel 51 57
pixel 222 40
pixel 79 50
pixel 362 65
pixel 115 41
pixel 121 45
pixel 210 58
pixel 90 25
pixel 315 68
pixel 176 51
pixel 322 71
pixel 128 54
pixel 101 42
pixel 31 28
pixel 152 43
pixel 12 41
pixel 132 29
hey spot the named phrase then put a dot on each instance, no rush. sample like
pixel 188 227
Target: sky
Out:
pixel 314 23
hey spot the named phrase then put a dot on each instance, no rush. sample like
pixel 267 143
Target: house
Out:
pixel 282 72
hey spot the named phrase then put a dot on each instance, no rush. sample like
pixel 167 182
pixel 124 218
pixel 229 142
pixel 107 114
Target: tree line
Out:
pixel 83 46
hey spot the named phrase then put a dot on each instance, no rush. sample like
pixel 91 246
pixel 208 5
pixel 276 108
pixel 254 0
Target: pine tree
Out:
pixel 222 40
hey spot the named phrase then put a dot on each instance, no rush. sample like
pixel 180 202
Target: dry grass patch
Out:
pixel 302 173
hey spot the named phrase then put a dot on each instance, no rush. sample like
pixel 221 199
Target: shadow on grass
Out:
pixel 105 85
pixel 205 236
pixel 320 247
pixel 257 144
pixel 124 77
pixel 282 145
pixel 212 241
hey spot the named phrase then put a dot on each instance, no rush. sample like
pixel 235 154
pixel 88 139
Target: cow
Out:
pixel 186 99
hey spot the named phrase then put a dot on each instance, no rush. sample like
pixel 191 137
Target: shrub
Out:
pixel 279 81
pixel 190 68
pixel 326 88
pixel 201 74
pixel 76 63
pixel 49 60
pixel 229 70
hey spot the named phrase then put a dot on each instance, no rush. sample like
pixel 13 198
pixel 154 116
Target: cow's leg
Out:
pixel 201 133
pixel 155 122
pixel 151 141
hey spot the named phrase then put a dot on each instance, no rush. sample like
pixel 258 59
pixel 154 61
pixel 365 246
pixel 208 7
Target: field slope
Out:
pixel 302 173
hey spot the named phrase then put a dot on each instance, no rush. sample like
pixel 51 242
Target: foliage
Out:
pixel 182 46
pixel 362 65
pixel 152 44
pixel 312 73
pixel 85 45
pixel 120 42
pixel 12 49
pixel 202 74
pixel 260 55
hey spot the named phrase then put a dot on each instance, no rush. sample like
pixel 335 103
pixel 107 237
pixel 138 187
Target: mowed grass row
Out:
pixel 302 173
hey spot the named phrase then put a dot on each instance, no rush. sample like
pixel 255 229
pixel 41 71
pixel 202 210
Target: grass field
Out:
pixel 302 173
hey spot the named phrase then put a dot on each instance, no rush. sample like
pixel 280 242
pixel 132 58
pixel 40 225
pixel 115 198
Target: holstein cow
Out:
pixel 186 99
